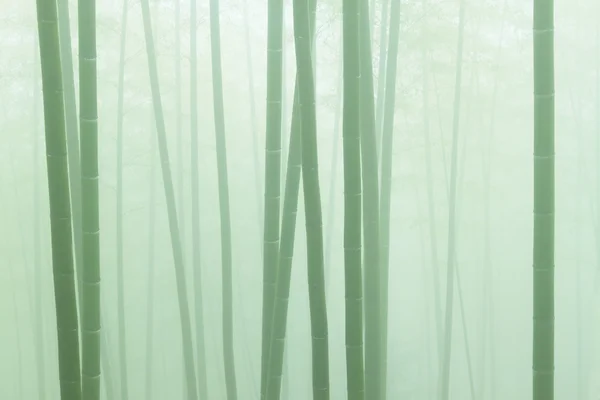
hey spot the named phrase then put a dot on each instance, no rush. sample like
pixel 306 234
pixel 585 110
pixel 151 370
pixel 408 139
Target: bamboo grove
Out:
pixel 300 199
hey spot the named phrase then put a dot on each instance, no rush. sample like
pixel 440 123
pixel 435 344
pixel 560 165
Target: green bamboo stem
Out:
pixel 355 372
pixel 225 218
pixel 371 215
pixel 312 201
pixel 90 202
pixel 285 138
pixel 286 252
pixel 272 181
pixel 184 311
pixel 543 200
pixel 288 232
pixel 70 99
pixel 65 294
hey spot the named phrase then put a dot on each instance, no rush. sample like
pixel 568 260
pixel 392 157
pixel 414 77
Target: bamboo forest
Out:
pixel 300 200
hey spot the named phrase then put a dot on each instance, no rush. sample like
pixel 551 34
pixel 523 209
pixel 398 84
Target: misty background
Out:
pixel 496 106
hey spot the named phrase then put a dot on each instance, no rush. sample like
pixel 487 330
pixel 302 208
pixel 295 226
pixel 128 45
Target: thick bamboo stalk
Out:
pixel 543 200
pixel 312 201
pixel 65 294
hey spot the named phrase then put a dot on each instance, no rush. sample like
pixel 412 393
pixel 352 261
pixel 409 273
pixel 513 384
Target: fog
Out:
pixel 488 119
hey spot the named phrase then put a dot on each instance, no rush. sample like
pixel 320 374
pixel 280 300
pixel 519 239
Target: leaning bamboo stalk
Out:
pixel 184 311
